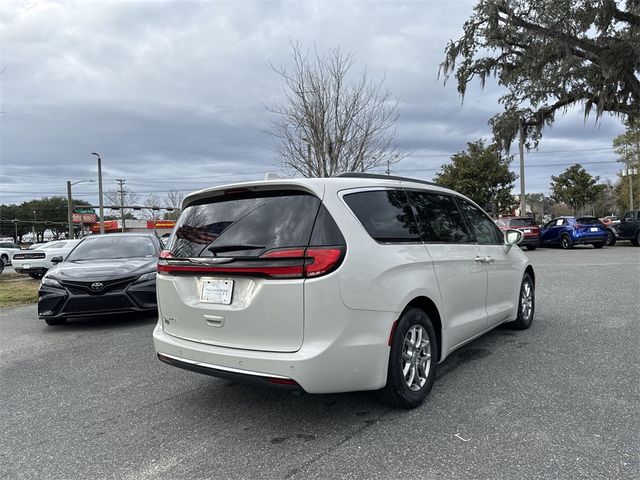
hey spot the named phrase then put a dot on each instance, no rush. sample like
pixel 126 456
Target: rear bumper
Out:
pixel 589 238
pixel 533 241
pixel 239 375
pixel 38 270
pixel 352 358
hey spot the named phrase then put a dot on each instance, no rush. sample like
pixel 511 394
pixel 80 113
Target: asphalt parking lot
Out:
pixel 560 400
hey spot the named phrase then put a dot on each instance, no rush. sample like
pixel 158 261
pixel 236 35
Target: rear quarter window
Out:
pixel 385 214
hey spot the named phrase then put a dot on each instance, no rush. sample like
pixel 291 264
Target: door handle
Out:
pixel 484 259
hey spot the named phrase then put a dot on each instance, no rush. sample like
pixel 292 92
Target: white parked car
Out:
pixel 7 249
pixel 35 263
pixel 357 282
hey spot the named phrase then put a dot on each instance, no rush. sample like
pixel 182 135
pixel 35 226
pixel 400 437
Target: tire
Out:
pixel 599 245
pixel 526 304
pixel 36 275
pixel 637 242
pixel 55 321
pixel 611 239
pixel 531 247
pixel 565 242
pixel 1 267
pixel 4 259
pixel 410 390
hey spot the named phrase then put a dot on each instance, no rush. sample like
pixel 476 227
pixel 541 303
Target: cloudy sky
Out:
pixel 173 94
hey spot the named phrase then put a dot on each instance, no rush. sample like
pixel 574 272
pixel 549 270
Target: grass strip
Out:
pixel 20 291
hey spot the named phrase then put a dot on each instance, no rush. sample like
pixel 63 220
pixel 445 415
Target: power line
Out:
pixel 430 169
pixel 537 152
pixel 527 166
pixel 232 174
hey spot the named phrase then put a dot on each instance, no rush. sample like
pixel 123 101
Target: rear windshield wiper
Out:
pixel 232 248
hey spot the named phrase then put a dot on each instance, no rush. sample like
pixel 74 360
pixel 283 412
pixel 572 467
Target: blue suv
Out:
pixel 569 231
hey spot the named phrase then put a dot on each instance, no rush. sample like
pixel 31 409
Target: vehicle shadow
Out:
pixel 281 421
pixel 366 404
pixel 103 322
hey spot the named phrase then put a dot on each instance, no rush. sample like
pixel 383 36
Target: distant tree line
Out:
pixel 50 213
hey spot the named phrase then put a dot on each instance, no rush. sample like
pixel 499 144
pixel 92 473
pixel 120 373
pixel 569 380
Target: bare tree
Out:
pixel 173 200
pixel 328 125
pixel 152 200
pixel 115 197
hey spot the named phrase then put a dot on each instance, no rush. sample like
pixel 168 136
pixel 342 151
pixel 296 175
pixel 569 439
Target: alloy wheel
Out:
pixel 416 357
pixel 526 301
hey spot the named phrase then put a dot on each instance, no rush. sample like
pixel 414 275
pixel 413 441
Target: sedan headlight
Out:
pixel 146 277
pixel 50 282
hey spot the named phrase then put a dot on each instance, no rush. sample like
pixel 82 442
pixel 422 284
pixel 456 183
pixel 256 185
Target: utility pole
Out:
pixel 630 172
pixel 388 167
pixel 15 226
pixel 69 209
pixel 121 190
pixel 634 172
pixel 523 202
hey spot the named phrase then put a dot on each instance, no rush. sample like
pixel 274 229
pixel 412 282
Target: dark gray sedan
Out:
pixel 104 274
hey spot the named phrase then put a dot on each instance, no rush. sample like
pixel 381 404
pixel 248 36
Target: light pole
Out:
pixel 70 205
pixel 34 227
pixel 101 204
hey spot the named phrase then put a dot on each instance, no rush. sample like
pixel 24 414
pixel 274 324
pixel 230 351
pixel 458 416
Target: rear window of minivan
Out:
pixel 250 223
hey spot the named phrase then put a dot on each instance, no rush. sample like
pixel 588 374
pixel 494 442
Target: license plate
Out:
pixel 217 291
pixel 594 229
pixel 26 266
pixel 527 230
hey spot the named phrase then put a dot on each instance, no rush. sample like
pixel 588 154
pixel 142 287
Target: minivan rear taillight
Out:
pixel 283 263
pixel 317 260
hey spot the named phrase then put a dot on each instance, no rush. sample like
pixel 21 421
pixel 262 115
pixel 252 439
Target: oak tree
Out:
pixel 551 55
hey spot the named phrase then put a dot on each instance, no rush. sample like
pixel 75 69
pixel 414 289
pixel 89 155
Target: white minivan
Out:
pixel 355 282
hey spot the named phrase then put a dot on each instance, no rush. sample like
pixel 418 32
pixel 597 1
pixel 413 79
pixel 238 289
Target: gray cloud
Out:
pixel 173 94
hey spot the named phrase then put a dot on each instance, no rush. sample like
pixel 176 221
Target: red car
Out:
pixel 527 225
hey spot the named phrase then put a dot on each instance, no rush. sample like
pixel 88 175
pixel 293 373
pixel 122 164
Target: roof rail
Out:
pixel 384 177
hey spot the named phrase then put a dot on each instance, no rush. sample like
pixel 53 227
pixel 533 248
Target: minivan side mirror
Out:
pixel 512 237
pixel 56 260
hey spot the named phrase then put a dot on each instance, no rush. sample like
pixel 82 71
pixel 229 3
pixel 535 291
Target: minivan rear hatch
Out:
pixel 234 269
